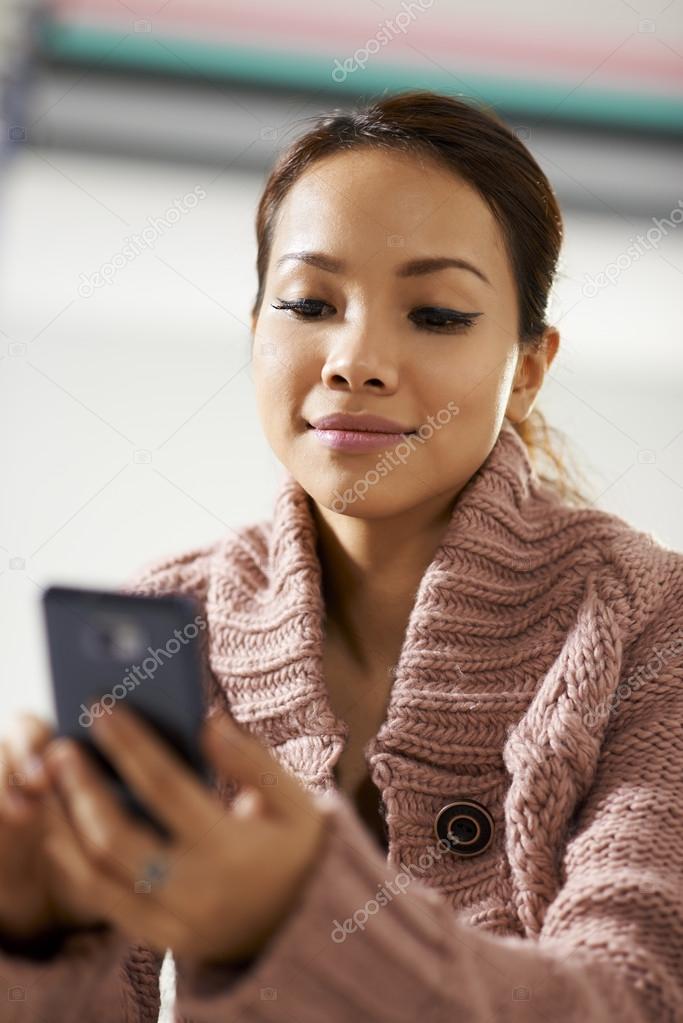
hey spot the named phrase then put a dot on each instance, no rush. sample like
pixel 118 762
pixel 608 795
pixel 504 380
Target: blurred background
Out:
pixel 135 140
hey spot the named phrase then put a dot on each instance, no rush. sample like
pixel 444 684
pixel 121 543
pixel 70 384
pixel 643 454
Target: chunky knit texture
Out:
pixel 541 674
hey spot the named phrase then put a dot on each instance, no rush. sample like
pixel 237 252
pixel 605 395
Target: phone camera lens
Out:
pixel 114 638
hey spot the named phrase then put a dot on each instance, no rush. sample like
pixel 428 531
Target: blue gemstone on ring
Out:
pixel 156 870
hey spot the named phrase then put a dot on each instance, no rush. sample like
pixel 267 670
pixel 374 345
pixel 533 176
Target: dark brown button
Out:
pixel 465 826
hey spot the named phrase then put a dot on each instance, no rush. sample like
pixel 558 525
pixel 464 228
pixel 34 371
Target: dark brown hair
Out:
pixel 479 147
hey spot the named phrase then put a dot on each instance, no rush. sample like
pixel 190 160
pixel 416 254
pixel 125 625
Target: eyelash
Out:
pixel 452 323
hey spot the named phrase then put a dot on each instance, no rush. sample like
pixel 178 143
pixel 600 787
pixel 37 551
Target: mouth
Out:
pixel 381 433
pixel 350 442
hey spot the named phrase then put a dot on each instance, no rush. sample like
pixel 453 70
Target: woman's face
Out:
pixel 369 339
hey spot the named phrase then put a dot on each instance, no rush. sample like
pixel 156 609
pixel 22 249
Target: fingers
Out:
pixel 29 733
pixel 104 859
pixel 14 808
pixel 57 821
pixel 236 754
pixel 108 837
pixel 132 908
pixel 23 773
pixel 154 772
pixel 26 742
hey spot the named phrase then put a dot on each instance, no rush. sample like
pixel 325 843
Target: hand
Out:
pixel 34 899
pixel 233 874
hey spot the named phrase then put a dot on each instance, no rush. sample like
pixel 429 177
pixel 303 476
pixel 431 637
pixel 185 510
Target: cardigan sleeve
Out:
pixel 79 976
pixel 611 944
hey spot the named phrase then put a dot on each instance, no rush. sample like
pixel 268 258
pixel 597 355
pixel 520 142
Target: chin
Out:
pixel 351 496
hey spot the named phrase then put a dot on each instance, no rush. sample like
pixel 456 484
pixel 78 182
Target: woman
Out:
pixel 445 692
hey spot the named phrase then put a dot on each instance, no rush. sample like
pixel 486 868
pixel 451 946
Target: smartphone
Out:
pixel 105 646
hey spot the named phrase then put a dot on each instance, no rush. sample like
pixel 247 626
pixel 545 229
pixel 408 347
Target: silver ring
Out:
pixel 156 869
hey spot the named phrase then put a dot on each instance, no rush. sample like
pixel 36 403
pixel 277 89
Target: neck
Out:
pixel 371 570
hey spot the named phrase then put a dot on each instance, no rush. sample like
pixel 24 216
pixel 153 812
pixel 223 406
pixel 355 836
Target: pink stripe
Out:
pixel 527 52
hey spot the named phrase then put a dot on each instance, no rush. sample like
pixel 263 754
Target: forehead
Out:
pixel 361 198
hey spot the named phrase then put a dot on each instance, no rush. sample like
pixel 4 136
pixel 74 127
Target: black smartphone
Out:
pixel 105 646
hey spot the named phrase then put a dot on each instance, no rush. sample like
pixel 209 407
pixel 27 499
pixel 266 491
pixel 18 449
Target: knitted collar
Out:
pixel 479 621
pixel 508 647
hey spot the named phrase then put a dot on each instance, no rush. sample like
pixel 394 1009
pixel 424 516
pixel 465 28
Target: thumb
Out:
pixel 237 755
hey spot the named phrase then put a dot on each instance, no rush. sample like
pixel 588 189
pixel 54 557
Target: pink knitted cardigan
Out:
pixel 542 675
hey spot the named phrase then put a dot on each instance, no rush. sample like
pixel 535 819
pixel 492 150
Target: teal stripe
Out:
pixel 192 58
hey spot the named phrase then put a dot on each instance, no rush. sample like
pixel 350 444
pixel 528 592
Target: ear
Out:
pixel 532 366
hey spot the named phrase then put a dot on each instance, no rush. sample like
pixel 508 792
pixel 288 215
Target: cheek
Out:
pixel 476 380
pixel 462 373
pixel 279 376
pixel 282 378
pixel 481 380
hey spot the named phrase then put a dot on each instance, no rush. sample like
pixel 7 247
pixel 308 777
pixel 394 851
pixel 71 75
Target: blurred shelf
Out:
pixel 226 125
pixel 526 91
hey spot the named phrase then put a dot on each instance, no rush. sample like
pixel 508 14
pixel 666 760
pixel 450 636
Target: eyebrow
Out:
pixel 413 268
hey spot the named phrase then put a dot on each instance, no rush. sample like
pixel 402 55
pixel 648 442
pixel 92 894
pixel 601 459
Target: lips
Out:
pixel 360 423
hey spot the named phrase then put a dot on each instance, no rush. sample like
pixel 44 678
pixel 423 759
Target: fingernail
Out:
pixel 62 755
pixel 34 768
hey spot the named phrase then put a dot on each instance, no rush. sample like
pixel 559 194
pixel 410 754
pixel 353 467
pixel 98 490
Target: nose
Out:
pixel 353 364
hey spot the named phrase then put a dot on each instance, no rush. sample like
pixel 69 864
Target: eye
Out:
pixel 434 318
pixel 307 308
pixel 450 321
